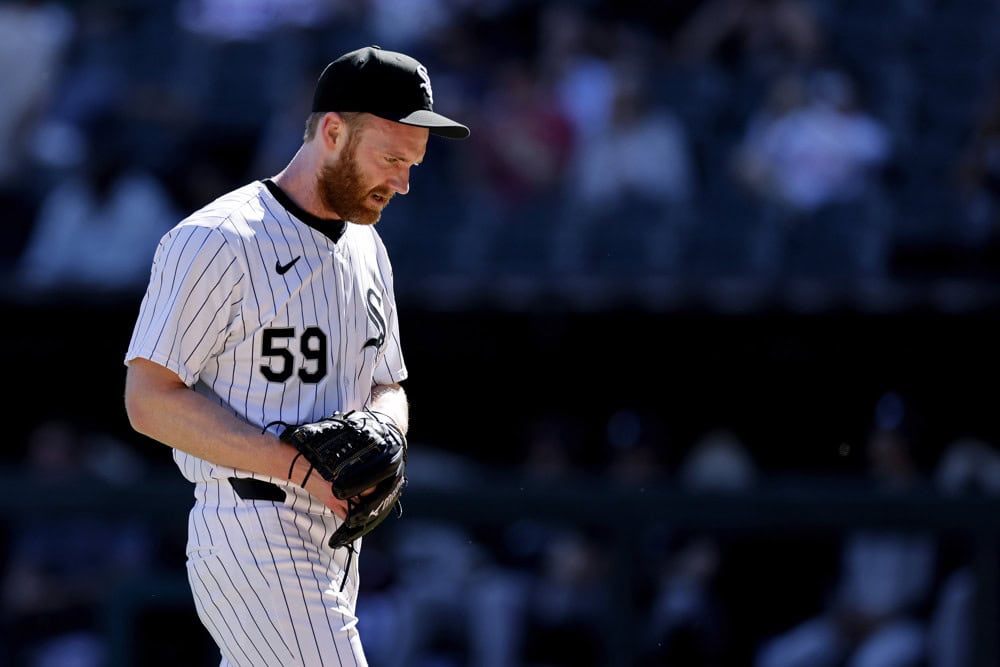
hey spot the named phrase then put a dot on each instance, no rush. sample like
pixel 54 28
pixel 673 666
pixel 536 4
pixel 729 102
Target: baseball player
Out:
pixel 274 304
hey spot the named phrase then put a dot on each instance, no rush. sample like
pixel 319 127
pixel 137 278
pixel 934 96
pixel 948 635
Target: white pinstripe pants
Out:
pixel 267 586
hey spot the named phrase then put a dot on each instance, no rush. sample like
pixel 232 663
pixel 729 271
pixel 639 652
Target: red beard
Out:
pixel 340 189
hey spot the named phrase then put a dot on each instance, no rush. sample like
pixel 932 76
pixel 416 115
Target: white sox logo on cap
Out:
pixel 426 85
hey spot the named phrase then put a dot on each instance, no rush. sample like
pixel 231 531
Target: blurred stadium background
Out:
pixel 701 323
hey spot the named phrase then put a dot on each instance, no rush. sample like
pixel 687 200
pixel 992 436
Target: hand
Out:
pixel 318 487
pixel 322 491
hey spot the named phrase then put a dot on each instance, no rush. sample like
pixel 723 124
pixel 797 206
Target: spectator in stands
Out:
pixel 876 615
pixel 517 167
pixel 59 572
pixel 687 621
pixel 250 20
pixel 545 600
pixel 527 141
pixel 762 37
pixel 637 443
pixel 979 187
pixel 458 617
pixel 969 468
pixel 544 609
pixel 231 59
pixel 719 462
pixel 409 23
pixel 34 38
pixel 573 55
pixel 738 46
pixel 97 229
pixel 814 156
pixel 471 615
pixel 644 154
pixel 631 186
pixel 116 63
pixel 812 144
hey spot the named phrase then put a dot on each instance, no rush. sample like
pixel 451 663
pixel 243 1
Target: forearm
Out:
pixel 164 409
pixel 390 399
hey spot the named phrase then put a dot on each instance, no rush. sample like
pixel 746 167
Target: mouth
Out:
pixel 380 200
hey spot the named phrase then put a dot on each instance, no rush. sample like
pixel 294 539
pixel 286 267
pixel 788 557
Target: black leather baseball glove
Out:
pixel 363 455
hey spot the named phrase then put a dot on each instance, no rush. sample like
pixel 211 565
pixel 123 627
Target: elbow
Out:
pixel 149 390
pixel 138 412
pixel 141 405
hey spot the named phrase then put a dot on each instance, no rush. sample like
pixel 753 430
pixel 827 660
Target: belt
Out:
pixel 256 489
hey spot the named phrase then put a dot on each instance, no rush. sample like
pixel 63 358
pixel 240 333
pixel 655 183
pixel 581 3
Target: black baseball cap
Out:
pixel 386 84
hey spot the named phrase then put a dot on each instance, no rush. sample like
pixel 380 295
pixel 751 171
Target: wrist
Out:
pixel 390 420
pixel 386 418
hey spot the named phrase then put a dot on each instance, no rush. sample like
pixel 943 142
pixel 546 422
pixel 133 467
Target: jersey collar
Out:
pixel 332 229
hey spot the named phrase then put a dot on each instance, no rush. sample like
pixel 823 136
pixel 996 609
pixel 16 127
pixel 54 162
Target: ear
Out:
pixel 332 130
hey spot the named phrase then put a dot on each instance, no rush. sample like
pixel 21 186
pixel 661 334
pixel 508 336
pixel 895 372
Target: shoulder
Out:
pixel 229 217
pixel 244 203
pixel 218 222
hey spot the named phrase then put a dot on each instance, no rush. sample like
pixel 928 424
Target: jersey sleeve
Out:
pixel 190 302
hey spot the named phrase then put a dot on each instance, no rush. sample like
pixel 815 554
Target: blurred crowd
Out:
pixel 534 587
pixel 761 141
pixel 758 140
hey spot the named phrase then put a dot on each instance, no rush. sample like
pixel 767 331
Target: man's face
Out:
pixel 372 167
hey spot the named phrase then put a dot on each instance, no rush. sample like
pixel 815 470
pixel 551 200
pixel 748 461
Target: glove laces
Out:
pixel 291 468
pixel 350 549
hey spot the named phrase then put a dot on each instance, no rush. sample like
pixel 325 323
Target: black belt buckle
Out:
pixel 256 489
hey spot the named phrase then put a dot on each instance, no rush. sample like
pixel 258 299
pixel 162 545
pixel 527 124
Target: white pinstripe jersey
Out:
pixel 274 313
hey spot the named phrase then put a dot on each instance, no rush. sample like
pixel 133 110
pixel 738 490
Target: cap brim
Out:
pixel 436 123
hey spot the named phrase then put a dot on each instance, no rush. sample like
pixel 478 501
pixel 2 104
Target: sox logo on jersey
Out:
pixel 376 317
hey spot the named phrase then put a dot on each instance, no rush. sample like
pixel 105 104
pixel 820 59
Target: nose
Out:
pixel 400 182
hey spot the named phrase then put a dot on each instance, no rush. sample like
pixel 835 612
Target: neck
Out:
pixel 298 181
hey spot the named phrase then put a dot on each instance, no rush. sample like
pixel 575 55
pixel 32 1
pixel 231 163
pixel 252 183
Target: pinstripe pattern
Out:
pixel 253 304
